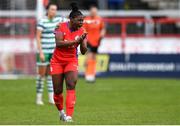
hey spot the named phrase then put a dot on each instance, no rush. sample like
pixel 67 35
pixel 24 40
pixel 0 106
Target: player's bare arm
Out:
pixel 103 32
pixel 83 44
pixel 61 43
pixel 38 38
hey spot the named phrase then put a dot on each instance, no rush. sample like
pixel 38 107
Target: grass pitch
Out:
pixel 108 101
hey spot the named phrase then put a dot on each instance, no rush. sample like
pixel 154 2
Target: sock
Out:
pixel 91 68
pixel 70 102
pixel 50 88
pixel 39 97
pixel 39 87
pixel 61 112
pixel 58 99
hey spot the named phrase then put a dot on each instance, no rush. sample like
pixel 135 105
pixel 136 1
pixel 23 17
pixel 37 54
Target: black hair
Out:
pixel 51 3
pixel 75 11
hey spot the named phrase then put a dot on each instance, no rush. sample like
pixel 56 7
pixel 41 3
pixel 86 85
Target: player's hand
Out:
pixel 82 37
pixel 42 57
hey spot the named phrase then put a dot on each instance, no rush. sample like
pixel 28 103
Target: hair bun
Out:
pixel 74 7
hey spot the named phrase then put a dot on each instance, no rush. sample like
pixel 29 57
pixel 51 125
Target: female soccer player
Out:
pixel 94 25
pixel 64 63
pixel 46 44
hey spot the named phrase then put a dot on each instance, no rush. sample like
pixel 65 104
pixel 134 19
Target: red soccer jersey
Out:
pixel 67 53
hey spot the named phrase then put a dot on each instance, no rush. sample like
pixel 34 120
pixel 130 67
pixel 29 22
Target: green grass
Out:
pixel 108 101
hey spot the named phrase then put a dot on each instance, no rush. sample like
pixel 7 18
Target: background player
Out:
pixel 64 63
pixel 46 45
pixel 96 31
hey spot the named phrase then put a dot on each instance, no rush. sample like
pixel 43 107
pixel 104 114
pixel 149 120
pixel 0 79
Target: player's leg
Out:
pixel 58 94
pixel 49 80
pixel 57 74
pixel 71 80
pixel 41 71
pixel 90 72
pixel 49 85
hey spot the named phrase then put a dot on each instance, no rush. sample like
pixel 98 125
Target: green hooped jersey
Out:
pixel 47 27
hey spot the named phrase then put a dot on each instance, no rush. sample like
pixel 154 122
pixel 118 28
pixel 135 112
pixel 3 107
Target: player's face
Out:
pixel 93 11
pixel 52 11
pixel 78 21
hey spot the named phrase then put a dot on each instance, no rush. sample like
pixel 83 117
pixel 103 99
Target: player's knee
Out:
pixel 94 56
pixel 41 75
pixel 71 85
pixel 58 91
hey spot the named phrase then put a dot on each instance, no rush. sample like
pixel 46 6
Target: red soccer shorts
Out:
pixel 59 68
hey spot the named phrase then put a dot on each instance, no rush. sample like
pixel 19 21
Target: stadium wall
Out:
pixel 150 57
pixel 121 54
pixel 141 65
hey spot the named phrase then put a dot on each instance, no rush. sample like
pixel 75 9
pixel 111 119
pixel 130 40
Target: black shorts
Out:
pixel 93 49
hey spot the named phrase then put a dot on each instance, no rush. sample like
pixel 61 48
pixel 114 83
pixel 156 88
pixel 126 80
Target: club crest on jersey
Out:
pixel 76 38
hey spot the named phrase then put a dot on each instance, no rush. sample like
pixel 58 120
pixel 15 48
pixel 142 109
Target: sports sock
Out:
pixel 91 68
pixel 58 99
pixel 39 87
pixel 50 88
pixel 70 102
